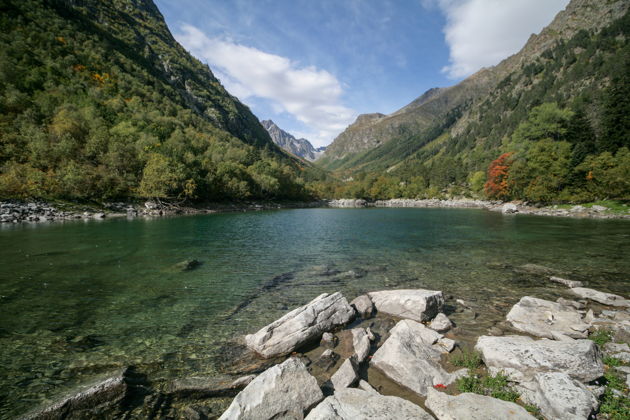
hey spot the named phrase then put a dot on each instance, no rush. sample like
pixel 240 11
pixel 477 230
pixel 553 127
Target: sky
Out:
pixel 312 66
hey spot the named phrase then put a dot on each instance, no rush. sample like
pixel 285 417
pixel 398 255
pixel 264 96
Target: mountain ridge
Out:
pixel 298 147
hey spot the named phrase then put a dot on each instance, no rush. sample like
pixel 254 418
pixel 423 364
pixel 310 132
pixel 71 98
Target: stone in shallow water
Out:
pixel 364 306
pixel 522 357
pixel 91 400
pixel 601 297
pixel 542 318
pixel 411 357
pixel 417 304
pixel 207 386
pixel 566 282
pixel 301 325
pixel 559 397
pixel 470 406
pixel 346 375
pixel 286 390
pixel 441 323
pixel 355 404
pixel 361 343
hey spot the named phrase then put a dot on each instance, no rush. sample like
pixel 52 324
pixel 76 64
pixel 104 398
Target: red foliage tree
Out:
pixel 497 184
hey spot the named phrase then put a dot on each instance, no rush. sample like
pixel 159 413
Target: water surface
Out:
pixel 81 298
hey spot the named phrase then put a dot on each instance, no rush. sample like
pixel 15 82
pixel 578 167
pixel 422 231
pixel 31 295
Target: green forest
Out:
pixel 99 102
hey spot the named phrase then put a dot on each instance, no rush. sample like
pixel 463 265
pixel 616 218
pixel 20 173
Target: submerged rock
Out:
pixel 187 265
pixel 543 318
pixel 522 357
pixel 92 400
pixel 364 306
pixel 417 304
pixel 468 406
pixel 354 404
pixel 411 357
pixel 559 397
pixel 286 390
pixel 566 282
pixel 327 359
pixel 601 297
pixel 208 386
pixel 301 325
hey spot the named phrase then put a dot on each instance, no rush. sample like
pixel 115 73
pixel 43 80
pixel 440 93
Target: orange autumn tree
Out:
pixel 498 171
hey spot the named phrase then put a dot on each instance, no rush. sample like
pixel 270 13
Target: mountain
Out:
pixel 99 101
pixel 299 147
pixel 574 72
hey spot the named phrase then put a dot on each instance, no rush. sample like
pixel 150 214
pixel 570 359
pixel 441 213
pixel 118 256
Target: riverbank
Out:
pixel 397 354
pixel 575 211
pixel 17 211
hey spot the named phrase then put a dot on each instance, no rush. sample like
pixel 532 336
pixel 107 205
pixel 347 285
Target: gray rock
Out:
pixel 199 387
pixel 364 306
pixel 99 215
pixel 90 401
pixel 364 385
pixel 301 325
pixel 509 208
pixel 522 357
pixel 566 282
pixel 346 375
pixel 282 391
pixel 187 265
pixel 616 347
pixel 441 323
pixel 447 344
pixel 559 397
pixel 623 356
pixel 542 318
pixel 327 359
pixel 328 340
pixel 361 343
pixel 411 357
pixel 571 303
pixel 417 304
pixel 598 208
pixel 355 404
pixel 601 297
pixel 468 406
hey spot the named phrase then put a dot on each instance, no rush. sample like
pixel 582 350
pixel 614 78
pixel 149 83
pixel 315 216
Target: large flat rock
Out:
pixel 417 304
pixel 411 357
pixel 355 404
pixel 559 397
pixel 301 325
pixel 284 391
pixel 522 357
pixel 601 297
pixel 470 406
pixel 543 318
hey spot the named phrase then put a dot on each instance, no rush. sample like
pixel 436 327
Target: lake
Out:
pixel 82 298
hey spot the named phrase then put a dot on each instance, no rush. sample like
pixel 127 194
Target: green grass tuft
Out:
pixel 468 359
pixel 494 386
pixel 601 337
pixel 615 405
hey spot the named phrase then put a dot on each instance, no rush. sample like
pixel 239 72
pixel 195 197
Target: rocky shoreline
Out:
pixel 16 211
pixel 577 211
pixel 395 354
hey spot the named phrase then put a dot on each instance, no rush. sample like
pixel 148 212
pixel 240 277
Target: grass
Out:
pixel 494 386
pixel 468 359
pixel 613 206
pixel 616 406
pixel 613 361
pixel 601 337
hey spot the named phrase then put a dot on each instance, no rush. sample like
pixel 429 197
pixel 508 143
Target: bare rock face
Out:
pixel 601 297
pixel 286 390
pixel 559 397
pixel 542 318
pixel 411 357
pixel 354 404
pixel 301 325
pixel 470 406
pixel 522 357
pixel 417 304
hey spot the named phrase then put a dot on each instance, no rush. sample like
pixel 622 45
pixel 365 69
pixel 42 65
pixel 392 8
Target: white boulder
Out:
pixel 417 304
pixel 469 406
pixel 542 318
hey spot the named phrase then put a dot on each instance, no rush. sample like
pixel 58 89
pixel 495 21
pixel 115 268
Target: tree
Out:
pixel 161 177
pixel 498 173
pixel 544 121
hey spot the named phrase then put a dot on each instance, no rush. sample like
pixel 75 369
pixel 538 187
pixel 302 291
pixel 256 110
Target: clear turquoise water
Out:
pixel 77 299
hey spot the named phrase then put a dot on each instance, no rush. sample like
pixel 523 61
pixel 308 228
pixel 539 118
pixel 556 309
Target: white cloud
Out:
pixel 481 33
pixel 311 95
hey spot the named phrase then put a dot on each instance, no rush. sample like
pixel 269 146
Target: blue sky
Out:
pixel 313 65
